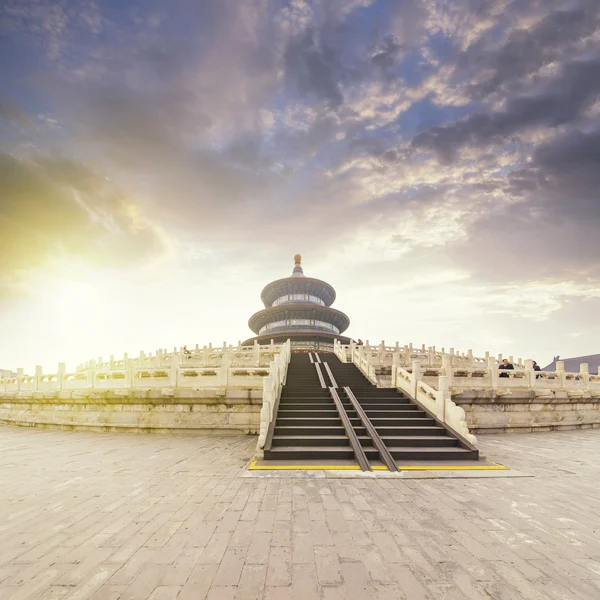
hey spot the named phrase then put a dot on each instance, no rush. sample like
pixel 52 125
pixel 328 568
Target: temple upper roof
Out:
pixel 298 284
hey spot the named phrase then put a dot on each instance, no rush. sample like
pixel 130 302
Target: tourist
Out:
pixel 506 366
pixel 360 342
pixel 185 350
pixel 536 367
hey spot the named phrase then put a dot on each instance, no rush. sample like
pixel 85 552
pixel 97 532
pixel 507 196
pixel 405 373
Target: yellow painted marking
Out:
pixel 491 467
pixel 254 467
pixel 452 468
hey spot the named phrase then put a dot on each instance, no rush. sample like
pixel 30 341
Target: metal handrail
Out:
pixel 357 448
pixel 331 377
pixel 384 453
pixel 318 367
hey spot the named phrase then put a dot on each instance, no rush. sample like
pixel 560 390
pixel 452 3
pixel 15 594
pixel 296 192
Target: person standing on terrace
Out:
pixel 506 366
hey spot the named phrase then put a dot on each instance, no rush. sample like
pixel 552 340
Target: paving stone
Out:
pixel 117 516
pixel 279 570
pixel 302 548
pixel 304 582
pixel 252 582
pixel 222 593
pixel 230 569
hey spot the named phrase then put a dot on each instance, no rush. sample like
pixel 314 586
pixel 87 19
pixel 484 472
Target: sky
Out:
pixel 161 161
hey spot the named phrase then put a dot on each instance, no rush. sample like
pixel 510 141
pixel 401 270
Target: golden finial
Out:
pixel 297 259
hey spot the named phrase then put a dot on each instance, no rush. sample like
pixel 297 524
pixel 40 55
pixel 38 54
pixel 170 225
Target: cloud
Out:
pixel 310 69
pixel 56 210
pixel 238 121
pixel 556 37
pixel 560 101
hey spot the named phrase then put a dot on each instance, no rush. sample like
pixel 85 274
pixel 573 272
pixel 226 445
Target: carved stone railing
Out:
pixel 384 355
pixel 465 371
pixel 437 402
pixel 226 367
pixel 582 383
pixel 272 387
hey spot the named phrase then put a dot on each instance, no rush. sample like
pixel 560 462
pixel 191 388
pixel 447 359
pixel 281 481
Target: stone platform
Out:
pixel 122 516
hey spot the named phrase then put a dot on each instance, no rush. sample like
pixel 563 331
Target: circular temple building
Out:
pixel 298 308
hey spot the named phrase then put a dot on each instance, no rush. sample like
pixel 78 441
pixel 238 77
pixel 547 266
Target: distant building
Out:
pixel 572 364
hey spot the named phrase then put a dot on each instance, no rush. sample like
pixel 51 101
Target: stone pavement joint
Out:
pixel 88 516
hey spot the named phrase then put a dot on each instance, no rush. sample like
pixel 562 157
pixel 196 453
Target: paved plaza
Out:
pixel 125 516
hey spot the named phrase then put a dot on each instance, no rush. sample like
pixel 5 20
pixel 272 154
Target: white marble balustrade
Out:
pixel 207 367
pixel 465 371
pixel 272 388
pixel 386 355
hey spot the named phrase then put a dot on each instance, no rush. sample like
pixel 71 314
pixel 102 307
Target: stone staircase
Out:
pixel 308 425
pixel 407 431
pixel 351 420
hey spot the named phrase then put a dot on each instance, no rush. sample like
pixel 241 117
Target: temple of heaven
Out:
pixel 298 308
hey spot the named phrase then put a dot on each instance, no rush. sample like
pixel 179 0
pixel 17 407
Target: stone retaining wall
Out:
pixel 238 411
pixel 152 411
pixel 522 411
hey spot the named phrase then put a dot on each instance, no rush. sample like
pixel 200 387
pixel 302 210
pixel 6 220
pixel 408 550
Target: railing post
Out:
pixel 38 376
pixel 416 375
pixel 19 377
pixel 584 373
pixel 256 354
pixel 560 369
pixel 174 371
pixel 493 373
pixel 447 369
pixel 224 374
pixel 62 369
pixel 91 381
pixel 529 374
pixel 444 394
pixel 129 366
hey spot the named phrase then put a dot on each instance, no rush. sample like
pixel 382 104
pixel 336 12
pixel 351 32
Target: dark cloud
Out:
pixel 311 69
pixel 387 55
pixel 551 231
pixel 561 101
pixel 529 49
pixel 568 169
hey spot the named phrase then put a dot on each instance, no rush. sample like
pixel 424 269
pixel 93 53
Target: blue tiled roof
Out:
pixel 572 364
